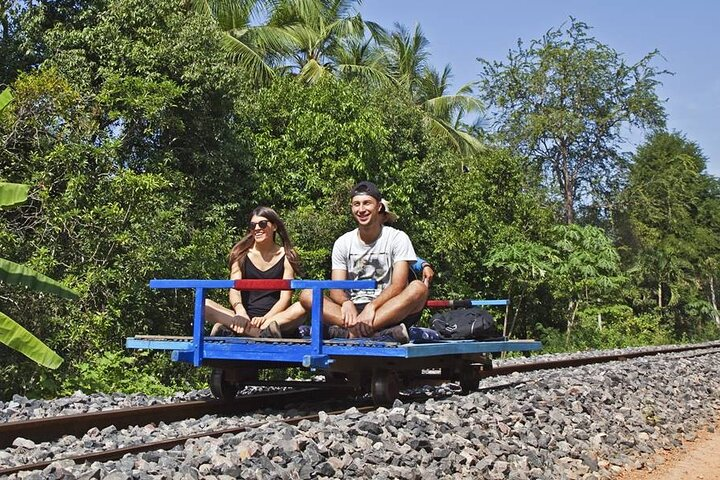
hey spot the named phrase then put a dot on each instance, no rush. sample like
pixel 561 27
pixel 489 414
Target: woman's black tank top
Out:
pixel 258 303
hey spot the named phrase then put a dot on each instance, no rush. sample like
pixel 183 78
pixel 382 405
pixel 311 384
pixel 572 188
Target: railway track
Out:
pixel 53 428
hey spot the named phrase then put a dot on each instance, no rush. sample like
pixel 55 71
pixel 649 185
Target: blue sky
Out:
pixel 684 32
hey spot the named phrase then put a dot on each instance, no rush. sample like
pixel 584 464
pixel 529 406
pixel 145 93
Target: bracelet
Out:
pixel 426 264
pixel 235 304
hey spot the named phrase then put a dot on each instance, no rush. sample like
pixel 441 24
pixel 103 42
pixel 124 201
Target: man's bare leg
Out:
pixel 331 313
pixel 411 300
pixel 289 319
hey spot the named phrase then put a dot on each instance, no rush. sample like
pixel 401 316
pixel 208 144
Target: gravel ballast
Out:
pixel 586 422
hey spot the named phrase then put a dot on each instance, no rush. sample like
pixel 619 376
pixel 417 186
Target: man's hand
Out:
pixel 349 314
pixel 427 275
pixel 365 320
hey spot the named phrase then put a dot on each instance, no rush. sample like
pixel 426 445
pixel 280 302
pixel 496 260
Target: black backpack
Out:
pixel 464 324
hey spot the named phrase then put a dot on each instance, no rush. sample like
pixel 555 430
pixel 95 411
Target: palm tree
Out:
pixel 444 114
pixel 363 59
pixel 254 46
pixel 313 39
pixel 329 37
pixel 407 55
pixel 307 38
pixel 408 60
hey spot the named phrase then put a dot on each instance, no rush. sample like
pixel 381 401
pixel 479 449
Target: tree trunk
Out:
pixel 508 332
pixel 659 295
pixel 572 310
pixel 716 314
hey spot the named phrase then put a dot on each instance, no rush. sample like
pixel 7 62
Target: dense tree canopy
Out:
pixel 147 132
pixel 672 228
pixel 564 102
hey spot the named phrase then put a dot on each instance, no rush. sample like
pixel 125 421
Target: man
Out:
pixel 372 251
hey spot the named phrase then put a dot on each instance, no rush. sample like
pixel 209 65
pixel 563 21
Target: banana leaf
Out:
pixel 5 98
pixel 11 272
pixel 16 337
pixel 12 194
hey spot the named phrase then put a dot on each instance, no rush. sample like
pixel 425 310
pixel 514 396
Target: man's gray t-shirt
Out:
pixel 371 261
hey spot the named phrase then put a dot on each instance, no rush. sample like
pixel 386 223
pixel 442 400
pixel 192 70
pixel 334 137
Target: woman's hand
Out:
pixel 257 321
pixel 238 324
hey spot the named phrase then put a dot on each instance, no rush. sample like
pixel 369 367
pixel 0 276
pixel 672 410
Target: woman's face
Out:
pixel 262 229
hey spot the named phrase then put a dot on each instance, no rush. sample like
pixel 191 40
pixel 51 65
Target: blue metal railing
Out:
pixel 316 357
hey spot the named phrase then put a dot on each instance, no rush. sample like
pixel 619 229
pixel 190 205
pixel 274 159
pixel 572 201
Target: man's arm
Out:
pixel 338 296
pixel 347 307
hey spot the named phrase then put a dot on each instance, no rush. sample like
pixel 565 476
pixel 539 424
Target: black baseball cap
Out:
pixel 366 188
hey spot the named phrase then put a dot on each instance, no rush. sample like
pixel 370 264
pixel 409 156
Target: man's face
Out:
pixel 365 210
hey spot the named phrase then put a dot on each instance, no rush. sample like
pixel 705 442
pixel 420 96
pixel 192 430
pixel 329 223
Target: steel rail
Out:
pixel 49 428
pixel 167 444
pixel 578 362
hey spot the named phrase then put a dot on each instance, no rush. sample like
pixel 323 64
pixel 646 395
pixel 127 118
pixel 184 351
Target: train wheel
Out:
pixel 471 374
pixel 469 378
pixel 220 387
pixel 384 387
pixel 360 381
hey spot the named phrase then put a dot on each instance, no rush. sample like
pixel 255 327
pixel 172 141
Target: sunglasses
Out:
pixel 261 224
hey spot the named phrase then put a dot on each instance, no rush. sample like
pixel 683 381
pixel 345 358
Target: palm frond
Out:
pixel 14 273
pixel 462 142
pixel 249 59
pixel 312 72
pixel 12 194
pixel 452 102
pixel 5 98
pixel 371 74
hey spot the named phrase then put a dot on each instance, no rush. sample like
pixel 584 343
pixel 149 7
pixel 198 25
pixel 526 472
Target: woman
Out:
pixel 258 256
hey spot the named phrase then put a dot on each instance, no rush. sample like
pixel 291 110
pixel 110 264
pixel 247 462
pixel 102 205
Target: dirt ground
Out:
pixel 694 460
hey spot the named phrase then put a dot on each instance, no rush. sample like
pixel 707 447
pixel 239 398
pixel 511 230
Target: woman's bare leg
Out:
pixel 217 314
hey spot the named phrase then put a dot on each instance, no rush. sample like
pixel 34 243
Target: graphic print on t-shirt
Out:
pixel 369 265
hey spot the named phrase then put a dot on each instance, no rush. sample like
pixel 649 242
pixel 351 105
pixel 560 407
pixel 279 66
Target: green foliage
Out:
pixel 670 230
pixel 477 206
pixel 13 334
pixel 587 264
pixel 607 327
pixel 114 371
pixel 322 137
pixel 145 148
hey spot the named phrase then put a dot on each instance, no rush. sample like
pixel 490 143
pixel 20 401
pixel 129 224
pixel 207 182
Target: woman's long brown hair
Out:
pixel 240 249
